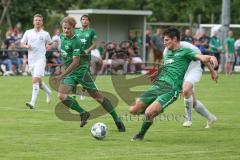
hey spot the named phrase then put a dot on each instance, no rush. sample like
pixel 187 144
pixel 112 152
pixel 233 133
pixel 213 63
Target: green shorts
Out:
pixel 161 92
pixel 84 78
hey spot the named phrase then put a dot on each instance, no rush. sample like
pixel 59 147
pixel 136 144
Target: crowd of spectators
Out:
pixel 226 52
pixel 123 57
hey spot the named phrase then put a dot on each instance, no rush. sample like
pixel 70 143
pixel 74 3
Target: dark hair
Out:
pixel 85 16
pixel 172 32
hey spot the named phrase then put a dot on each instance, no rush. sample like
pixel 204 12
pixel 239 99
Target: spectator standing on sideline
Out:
pixel 187 36
pixel 229 53
pixel 147 44
pixel 215 46
pixel 158 47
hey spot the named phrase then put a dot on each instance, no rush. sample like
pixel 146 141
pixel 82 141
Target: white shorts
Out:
pixel 193 76
pixel 37 69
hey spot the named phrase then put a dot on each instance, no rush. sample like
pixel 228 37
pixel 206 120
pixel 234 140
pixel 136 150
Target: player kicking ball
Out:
pixel 169 81
pixel 35 41
pixel 192 76
pixel 77 72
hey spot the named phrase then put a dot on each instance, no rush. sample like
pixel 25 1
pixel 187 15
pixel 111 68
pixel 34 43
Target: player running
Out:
pixel 77 72
pixel 192 76
pixel 35 41
pixel 169 81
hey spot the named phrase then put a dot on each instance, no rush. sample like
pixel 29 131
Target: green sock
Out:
pixel 73 104
pixel 109 108
pixel 145 126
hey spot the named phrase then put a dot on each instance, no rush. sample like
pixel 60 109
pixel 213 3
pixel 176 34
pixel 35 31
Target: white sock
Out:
pixel 45 88
pixel 35 90
pixel 202 110
pixel 188 103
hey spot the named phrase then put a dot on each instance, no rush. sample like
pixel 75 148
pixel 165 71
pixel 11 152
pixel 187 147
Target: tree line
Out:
pixel 22 11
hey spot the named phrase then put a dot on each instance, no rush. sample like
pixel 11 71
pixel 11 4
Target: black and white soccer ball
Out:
pixel 99 130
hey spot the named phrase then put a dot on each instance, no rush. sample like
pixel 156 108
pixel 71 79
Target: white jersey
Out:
pixel 38 41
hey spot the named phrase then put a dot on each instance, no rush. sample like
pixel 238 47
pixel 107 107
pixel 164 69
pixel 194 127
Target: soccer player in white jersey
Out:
pixel 35 41
pixel 192 76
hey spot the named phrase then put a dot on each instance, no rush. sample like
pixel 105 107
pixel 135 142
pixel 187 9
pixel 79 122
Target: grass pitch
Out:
pixel 39 134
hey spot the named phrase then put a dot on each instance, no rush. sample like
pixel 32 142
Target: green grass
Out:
pixel 39 135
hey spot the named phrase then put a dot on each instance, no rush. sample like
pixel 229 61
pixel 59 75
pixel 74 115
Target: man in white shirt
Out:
pixel 192 76
pixel 35 41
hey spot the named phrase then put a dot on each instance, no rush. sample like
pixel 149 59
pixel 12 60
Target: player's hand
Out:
pixel 213 61
pixel 214 76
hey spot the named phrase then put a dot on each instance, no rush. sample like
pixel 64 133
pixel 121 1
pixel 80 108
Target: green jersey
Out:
pixel 215 44
pixel 71 47
pixel 229 41
pixel 175 65
pixel 86 37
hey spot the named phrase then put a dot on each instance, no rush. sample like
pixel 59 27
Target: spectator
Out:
pixel 53 58
pixel 96 58
pixel 229 53
pixel 111 48
pixel 133 38
pixel 147 44
pixel 14 57
pixel 134 59
pixel 215 46
pixel 9 38
pixel 18 35
pixel 187 36
pixel 237 49
pixel 56 37
pixel 5 61
pixel 205 39
pixel 158 47
pixel 120 58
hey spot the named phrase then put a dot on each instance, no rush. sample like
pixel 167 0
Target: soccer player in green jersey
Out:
pixel 77 72
pixel 88 38
pixel 168 83
pixel 86 35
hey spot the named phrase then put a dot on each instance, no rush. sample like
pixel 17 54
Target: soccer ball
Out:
pixel 99 130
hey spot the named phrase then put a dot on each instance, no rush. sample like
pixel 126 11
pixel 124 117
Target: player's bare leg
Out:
pixel 150 113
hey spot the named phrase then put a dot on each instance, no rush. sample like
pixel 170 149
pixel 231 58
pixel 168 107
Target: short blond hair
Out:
pixel 69 20
pixel 38 15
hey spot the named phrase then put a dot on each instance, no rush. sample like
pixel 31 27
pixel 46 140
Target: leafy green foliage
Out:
pixel 163 10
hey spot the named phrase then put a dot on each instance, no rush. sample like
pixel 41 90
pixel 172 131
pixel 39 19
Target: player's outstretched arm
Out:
pixel 206 58
pixel 214 73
